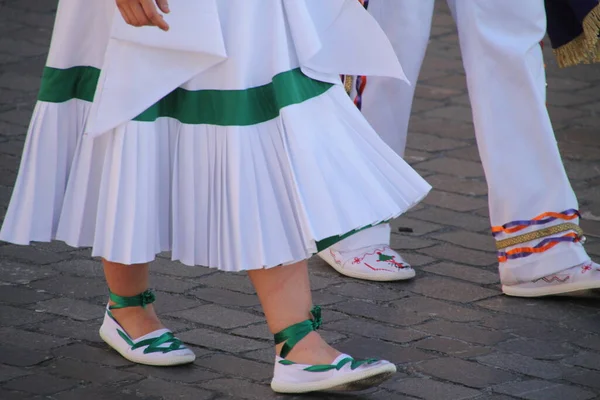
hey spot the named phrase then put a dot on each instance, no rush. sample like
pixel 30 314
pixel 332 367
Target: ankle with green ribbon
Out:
pixel 153 344
pixel 292 335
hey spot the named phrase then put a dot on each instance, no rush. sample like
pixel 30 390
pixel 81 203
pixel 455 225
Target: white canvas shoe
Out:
pixel 343 374
pixel 581 277
pixel 374 263
pixel 159 348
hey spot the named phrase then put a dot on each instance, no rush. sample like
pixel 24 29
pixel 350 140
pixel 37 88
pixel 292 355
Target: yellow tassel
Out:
pixel 585 48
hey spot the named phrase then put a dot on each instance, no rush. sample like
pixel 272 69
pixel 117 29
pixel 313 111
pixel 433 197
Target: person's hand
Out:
pixel 144 12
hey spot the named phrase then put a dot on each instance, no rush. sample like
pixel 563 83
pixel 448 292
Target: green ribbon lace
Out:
pixel 295 333
pixel 141 300
pixel 155 343
pixel 328 367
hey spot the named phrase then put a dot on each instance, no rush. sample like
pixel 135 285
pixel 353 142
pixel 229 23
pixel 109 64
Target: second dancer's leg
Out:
pixel 387 103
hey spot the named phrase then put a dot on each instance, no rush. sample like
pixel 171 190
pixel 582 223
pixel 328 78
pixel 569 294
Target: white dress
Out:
pixel 228 141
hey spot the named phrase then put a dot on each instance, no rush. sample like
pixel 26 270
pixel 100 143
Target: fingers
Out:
pixel 138 15
pixel 153 15
pixel 163 5
pixel 143 13
pixel 127 16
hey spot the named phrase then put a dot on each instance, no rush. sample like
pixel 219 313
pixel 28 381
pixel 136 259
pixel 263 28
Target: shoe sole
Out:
pixel 405 275
pixel 344 383
pixel 563 288
pixel 167 362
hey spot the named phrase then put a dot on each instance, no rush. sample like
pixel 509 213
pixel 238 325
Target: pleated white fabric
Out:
pixel 223 196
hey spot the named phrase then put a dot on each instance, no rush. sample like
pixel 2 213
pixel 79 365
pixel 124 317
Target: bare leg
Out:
pixel 131 280
pixel 284 293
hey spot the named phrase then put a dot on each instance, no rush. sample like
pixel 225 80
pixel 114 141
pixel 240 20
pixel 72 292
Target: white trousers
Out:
pixel 503 61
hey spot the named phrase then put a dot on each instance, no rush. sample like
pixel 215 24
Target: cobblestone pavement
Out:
pixel 452 333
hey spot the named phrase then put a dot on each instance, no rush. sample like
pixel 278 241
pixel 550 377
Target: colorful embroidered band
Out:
pixel 541 247
pixel 542 233
pixel 516 226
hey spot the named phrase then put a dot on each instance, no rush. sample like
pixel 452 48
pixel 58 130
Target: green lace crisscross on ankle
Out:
pixel 295 333
pixel 155 344
pixel 328 367
pixel 141 300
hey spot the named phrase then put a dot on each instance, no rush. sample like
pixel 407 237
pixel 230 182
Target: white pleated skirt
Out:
pixel 263 174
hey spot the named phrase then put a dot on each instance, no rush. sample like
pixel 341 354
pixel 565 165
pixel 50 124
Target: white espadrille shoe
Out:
pixel 343 374
pixel 373 263
pixel 159 348
pixel 579 278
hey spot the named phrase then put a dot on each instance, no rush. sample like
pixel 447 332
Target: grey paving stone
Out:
pixel 185 373
pixel 465 186
pixel 456 202
pixel 7 372
pixel 266 355
pixel 462 255
pixel 452 347
pixel 475 241
pixel 21 273
pixel 13 316
pixel 402 242
pixel 543 390
pixel 466 332
pixel 368 291
pixel 30 340
pixel 429 389
pixel 376 331
pixel 418 227
pixel 240 389
pixel 72 308
pixel 171 284
pixel 99 393
pixel 225 297
pixel 168 303
pixel 472 274
pixel 78 267
pixel 167 390
pixel 465 372
pixel 325 298
pixel 531 328
pixel 543 350
pixel 71 286
pixel 452 218
pixel 584 377
pixel 523 365
pixel 16 295
pixel 99 355
pixel 554 310
pixel 237 367
pixel 41 384
pixel 215 315
pixel 88 372
pixel 391 315
pixel 22 357
pixel 585 359
pixel 13 395
pixel 235 282
pixel 432 308
pixel 68 328
pixel 31 255
pixel 461 168
pixel 221 341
